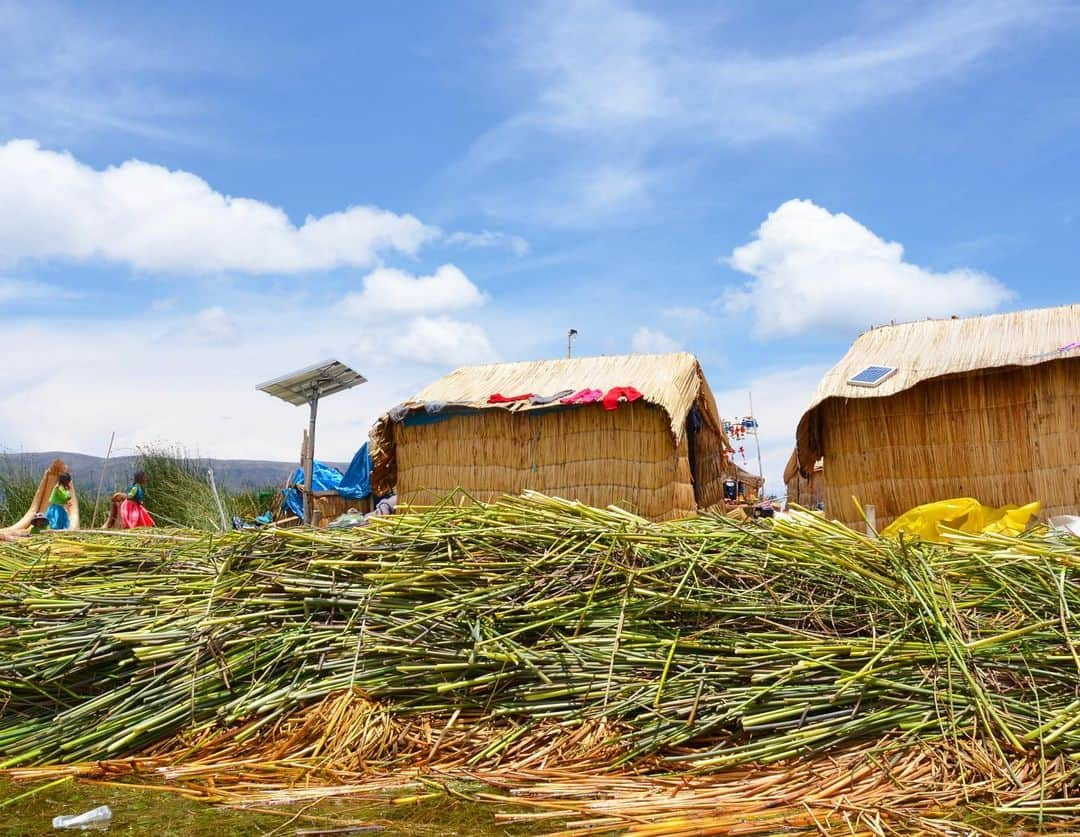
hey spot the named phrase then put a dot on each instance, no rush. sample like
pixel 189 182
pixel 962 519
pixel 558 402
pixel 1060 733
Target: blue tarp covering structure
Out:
pixel 355 483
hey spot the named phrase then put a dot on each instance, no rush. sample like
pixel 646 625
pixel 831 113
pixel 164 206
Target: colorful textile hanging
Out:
pixel 584 396
pixel 550 399
pixel 617 394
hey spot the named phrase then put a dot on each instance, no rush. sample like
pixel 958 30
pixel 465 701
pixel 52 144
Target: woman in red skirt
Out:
pixel 131 510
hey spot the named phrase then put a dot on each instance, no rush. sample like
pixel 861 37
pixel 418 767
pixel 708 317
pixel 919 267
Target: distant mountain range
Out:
pixel 230 474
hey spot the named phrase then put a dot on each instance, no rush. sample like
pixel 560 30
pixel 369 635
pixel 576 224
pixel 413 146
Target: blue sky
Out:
pixel 198 198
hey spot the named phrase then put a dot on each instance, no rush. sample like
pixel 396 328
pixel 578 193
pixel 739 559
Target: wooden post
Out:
pixel 101 482
pixel 309 459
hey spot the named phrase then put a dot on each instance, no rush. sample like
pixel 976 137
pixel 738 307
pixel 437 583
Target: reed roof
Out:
pixel 749 477
pixel 928 349
pixel 673 382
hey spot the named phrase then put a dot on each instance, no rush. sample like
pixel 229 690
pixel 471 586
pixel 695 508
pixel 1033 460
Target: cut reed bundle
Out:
pixel 478 635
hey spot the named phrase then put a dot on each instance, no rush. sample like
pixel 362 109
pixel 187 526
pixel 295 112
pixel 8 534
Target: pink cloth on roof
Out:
pixel 498 398
pixel 585 396
pixel 611 400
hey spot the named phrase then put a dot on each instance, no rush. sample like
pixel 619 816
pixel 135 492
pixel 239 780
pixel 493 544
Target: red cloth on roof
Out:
pixel 584 396
pixel 611 400
pixel 498 398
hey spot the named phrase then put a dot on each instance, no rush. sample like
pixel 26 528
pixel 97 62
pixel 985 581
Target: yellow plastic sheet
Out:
pixel 964 514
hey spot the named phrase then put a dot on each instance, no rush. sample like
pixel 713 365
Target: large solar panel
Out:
pixel 320 380
pixel 871 376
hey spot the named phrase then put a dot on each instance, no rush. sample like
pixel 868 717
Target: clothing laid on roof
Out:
pixel 550 399
pixel 584 396
pixel 398 412
pixel 617 394
pixel 499 398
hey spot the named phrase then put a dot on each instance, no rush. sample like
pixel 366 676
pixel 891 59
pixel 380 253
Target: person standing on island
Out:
pixel 131 510
pixel 59 500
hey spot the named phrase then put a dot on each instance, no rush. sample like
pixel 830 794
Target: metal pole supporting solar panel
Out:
pixel 309 459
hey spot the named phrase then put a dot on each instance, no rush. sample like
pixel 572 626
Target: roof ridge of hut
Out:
pixel 951 318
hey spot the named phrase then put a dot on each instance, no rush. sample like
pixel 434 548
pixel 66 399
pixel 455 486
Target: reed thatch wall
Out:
pixel 808 492
pixel 662 456
pixel 1001 436
pixel 624 457
pixel 985 407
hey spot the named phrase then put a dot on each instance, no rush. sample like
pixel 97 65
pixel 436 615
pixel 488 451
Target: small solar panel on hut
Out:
pixel 871 376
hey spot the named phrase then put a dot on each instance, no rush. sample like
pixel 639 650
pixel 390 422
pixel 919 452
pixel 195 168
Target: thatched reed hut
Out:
pixel 985 407
pixel 748 485
pixel 664 455
pixel 808 492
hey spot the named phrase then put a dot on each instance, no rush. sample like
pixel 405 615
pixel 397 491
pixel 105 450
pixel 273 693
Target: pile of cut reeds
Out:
pixel 536 633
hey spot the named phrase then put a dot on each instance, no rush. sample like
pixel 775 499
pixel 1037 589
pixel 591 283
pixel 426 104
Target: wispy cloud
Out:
pixel 686 316
pixel 651 341
pixel 19 290
pixel 622 87
pixel 605 65
pixel 487 238
pixel 65 74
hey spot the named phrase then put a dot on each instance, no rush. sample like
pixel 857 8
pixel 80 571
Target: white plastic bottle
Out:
pixel 91 819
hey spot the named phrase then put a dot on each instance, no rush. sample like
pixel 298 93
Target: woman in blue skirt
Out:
pixel 57 513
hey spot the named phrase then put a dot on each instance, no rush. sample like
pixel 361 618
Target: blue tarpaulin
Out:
pixel 355 483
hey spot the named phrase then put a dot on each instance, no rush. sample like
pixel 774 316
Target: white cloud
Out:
pixel 486 238
pixel 686 316
pixel 813 269
pixel 650 341
pixel 213 325
pixel 154 219
pixel 393 292
pixel 439 341
pixel 160 379
pixel 18 290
